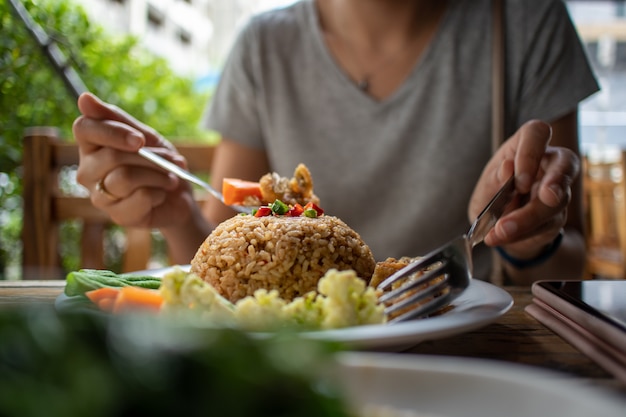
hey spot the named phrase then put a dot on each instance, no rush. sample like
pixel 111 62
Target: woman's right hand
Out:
pixel 132 190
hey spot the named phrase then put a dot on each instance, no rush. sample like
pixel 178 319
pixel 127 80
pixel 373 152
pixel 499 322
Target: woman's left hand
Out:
pixel 543 178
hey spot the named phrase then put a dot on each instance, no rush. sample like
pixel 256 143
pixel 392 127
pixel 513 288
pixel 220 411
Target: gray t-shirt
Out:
pixel 399 171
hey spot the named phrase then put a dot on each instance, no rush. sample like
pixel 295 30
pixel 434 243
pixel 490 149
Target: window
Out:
pixel 602 29
pixel 184 36
pixel 155 17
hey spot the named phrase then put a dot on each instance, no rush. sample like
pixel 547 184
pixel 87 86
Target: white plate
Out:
pixel 480 304
pixel 436 386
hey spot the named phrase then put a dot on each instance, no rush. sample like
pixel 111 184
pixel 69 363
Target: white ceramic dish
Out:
pixel 481 304
pixel 436 386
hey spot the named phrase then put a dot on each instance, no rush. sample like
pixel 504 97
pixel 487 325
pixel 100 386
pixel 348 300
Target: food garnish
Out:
pixel 278 208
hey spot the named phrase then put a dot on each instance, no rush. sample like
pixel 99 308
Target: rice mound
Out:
pixel 287 254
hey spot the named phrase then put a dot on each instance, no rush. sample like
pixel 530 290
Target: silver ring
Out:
pixel 102 190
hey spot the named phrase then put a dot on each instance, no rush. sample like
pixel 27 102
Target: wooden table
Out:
pixel 515 337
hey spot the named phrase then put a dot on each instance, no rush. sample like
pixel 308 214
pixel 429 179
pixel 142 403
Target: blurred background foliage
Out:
pixel 116 68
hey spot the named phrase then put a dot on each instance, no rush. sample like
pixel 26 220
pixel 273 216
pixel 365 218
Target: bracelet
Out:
pixel 542 257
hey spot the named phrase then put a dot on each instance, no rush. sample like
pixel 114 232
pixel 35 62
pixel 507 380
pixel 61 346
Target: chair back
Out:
pixel 604 186
pixel 46 206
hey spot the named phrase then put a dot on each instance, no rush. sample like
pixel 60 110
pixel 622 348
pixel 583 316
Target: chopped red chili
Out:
pixel 295 211
pixel 263 211
pixel 315 207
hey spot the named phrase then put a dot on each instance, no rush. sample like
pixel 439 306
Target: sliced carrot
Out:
pixel 235 190
pixel 100 293
pixel 106 304
pixel 137 299
pixel 103 297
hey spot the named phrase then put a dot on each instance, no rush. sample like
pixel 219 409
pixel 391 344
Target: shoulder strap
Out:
pixel 498 94
pixel 498 77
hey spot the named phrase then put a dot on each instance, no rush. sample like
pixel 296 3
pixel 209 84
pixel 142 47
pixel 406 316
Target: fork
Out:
pixel 188 176
pixel 446 270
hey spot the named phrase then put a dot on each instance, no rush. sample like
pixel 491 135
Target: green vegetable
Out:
pixel 279 207
pixel 310 213
pixel 79 282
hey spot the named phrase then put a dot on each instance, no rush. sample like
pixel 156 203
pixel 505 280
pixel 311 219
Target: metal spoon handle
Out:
pixel 178 171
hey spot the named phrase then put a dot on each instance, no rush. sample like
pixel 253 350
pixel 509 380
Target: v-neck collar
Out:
pixel 344 79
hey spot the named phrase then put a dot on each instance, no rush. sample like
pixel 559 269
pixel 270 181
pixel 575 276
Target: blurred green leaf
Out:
pixel 72 364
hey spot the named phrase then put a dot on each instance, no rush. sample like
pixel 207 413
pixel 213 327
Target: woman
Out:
pixel 388 103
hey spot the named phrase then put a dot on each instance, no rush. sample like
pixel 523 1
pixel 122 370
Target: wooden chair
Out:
pixel 604 186
pixel 45 207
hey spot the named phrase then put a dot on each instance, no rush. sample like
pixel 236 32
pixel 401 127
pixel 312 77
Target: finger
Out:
pixel 533 245
pixel 136 209
pixel 99 164
pixel 124 180
pixel 561 168
pixel 531 219
pixel 93 134
pixel 94 166
pixel 94 108
pixel 150 207
pixel 532 140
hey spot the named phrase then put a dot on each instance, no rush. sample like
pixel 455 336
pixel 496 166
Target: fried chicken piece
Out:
pixel 298 189
pixel 389 266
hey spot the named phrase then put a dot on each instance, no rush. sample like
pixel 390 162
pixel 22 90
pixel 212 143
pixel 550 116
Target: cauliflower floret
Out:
pixel 263 311
pixel 183 291
pixel 305 312
pixel 170 287
pixel 347 301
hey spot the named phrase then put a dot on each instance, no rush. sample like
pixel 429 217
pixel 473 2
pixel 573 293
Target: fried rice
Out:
pixel 287 254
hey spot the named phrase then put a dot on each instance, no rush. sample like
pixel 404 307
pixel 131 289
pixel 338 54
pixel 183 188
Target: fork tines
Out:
pixel 424 310
pixel 406 299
